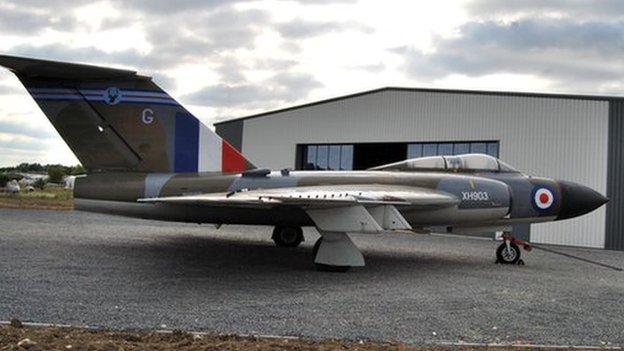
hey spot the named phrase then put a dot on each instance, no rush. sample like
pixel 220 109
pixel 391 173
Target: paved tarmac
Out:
pixel 89 269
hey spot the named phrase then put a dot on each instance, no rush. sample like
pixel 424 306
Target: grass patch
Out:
pixel 50 198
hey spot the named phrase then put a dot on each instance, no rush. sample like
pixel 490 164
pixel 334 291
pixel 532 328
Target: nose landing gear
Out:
pixel 509 251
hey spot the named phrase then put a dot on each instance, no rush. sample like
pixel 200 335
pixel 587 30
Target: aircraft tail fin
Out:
pixel 114 119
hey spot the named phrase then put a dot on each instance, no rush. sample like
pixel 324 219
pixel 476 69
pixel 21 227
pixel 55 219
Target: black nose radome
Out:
pixel 578 200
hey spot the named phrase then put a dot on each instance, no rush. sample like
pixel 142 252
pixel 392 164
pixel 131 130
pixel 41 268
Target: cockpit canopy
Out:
pixel 457 163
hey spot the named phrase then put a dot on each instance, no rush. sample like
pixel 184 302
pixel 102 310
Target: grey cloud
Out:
pixel 274 64
pixel 175 38
pixel 229 28
pixel 89 55
pixel 571 8
pixel 167 7
pixel 283 87
pixel 300 29
pixel 372 68
pixel 47 4
pixel 231 70
pixel 109 23
pixel 179 39
pixel 17 20
pixel 6 90
pixel 223 95
pixel 547 34
pixel 560 50
pixel 12 157
pixel 25 130
pixel 166 82
pixel 326 2
pixel 291 47
pixel 21 144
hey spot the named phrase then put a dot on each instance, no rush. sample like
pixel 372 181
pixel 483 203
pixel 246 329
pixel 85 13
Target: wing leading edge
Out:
pixel 343 208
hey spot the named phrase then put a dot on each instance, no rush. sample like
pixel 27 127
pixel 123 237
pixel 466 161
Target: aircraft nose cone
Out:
pixel 578 200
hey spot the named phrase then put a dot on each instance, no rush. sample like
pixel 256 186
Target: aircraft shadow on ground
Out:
pixel 185 255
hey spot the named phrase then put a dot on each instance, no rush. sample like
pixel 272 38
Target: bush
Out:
pixel 77 170
pixel 56 174
pixel 40 183
pixel 4 179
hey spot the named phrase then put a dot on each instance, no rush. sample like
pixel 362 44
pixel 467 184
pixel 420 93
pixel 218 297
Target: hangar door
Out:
pixel 366 155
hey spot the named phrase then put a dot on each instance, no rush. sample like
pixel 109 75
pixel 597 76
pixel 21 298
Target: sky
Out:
pixel 225 59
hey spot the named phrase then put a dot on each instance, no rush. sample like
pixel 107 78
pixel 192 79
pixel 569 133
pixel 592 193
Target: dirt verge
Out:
pixel 75 339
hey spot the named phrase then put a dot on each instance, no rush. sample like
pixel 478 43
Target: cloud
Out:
pixel 225 28
pixel 18 20
pixel 167 7
pixel 561 50
pixel 283 87
pixel 20 130
pixel 175 39
pixel 19 142
pixel 89 54
pixel 372 68
pixel 166 82
pixel 326 2
pixel 301 29
pixel 8 90
pixel 568 8
pixel 12 157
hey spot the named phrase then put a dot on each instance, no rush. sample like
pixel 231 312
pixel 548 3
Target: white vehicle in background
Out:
pixel 69 182
pixel 13 187
pixel 31 179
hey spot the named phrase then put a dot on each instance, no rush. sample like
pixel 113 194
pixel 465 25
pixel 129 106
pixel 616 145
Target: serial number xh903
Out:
pixel 147 156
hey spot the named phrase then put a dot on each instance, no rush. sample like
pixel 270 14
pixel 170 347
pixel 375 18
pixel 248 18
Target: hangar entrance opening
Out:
pixel 372 155
pixel 367 155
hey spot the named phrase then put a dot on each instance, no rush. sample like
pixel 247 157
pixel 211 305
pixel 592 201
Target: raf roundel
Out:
pixel 543 198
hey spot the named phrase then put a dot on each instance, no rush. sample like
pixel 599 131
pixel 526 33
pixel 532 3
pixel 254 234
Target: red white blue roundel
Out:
pixel 543 198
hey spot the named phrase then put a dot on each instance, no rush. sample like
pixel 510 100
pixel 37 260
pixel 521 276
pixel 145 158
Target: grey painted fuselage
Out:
pixel 485 199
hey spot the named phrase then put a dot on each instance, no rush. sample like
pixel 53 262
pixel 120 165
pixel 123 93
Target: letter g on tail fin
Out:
pixel 115 119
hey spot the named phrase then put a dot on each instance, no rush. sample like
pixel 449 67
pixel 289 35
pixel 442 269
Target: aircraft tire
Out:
pixel 287 236
pixel 326 267
pixel 505 257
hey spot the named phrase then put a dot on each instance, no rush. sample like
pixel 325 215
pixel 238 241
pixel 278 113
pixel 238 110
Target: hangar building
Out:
pixel 573 137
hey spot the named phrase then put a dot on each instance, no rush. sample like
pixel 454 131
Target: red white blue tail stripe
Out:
pixel 199 149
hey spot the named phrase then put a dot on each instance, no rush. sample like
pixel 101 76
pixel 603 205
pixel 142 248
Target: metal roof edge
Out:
pixel 428 90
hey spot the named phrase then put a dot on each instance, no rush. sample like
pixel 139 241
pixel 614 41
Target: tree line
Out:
pixel 55 172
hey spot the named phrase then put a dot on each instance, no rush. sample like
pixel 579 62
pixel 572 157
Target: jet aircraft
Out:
pixel 146 156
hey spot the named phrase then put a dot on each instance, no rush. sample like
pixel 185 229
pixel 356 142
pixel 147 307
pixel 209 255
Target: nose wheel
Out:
pixel 509 251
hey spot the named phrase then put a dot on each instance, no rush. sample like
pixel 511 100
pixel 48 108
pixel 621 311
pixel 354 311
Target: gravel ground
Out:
pixel 87 269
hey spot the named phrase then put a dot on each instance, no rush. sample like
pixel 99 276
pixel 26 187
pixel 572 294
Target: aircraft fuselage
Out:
pixel 484 199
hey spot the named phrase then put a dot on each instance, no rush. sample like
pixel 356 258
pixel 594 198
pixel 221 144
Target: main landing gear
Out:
pixel 287 236
pixel 509 251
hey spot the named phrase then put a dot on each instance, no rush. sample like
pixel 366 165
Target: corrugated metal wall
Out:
pixel 553 137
